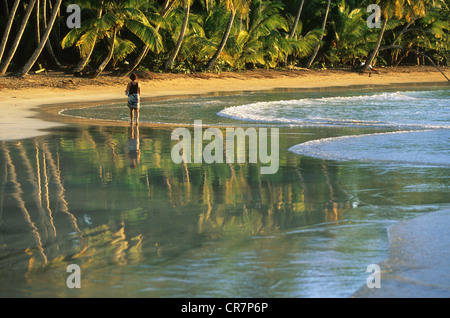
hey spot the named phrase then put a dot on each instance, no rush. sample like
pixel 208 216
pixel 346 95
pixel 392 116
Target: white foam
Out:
pixel 424 147
pixel 380 110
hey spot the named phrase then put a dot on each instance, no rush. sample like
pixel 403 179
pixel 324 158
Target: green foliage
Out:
pixel 260 34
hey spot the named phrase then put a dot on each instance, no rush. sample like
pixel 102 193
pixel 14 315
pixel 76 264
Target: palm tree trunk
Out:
pixel 138 60
pixel 108 58
pixel 377 47
pixel 8 28
pixel 294 27
pixel 316 50
pixel 38 27
pixel 82 64
pixel 48 44
pixel 4 66
pixel 24 71
pixel 84 61
pixel 174 54
pixel 222 44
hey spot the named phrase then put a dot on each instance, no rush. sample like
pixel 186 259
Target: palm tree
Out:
pixel 8 28
pixel 267 44
pixel 201 40
pixel 87 55
pixel 351 36
pixel 24 71
pixel 398 9
pixel 48 44
pixel 174 54
pixel 167 6
pixel 233 6
pixel 118 15
pixel 109 56
pixel 313 55
pixel 38 27
pixel 4 66
pixel 369 61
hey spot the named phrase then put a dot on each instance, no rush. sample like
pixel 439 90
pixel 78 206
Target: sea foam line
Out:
pixel 310 148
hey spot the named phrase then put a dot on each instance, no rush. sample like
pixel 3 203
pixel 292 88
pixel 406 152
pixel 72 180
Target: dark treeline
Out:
pixel 120 36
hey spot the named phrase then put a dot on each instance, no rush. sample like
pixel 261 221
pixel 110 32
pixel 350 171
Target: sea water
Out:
pixel 352 163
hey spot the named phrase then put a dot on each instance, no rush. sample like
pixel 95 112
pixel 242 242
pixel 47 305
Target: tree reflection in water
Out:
pixel 75 197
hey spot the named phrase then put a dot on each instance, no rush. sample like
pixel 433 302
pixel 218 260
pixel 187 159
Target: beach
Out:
pixel 22 96
pixel 140 225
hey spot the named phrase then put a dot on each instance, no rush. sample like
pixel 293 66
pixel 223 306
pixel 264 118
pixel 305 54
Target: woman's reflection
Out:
pixel 133 146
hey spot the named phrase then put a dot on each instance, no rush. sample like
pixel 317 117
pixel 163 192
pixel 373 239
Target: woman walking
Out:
pixel 134 97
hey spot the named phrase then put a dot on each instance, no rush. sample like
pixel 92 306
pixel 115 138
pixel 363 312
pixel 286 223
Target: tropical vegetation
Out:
pixel 120 36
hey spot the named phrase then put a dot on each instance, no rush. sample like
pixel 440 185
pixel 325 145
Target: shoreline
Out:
pixel 21 99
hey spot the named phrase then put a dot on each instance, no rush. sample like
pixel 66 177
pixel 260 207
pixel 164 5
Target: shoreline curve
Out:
pixel 21 106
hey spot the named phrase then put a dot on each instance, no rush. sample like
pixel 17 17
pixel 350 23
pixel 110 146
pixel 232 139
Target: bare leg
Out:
pixel 137 115
pixel 131 115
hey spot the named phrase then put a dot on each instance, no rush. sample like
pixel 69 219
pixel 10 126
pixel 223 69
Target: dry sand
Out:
pixel 20 98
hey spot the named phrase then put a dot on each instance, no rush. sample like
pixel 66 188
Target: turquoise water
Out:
pixel 352 163
pixel 395 108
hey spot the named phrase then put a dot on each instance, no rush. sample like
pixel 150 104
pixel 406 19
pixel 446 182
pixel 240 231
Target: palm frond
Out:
pixel 146 33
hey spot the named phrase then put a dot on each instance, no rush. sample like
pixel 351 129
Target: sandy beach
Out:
pixel 19 98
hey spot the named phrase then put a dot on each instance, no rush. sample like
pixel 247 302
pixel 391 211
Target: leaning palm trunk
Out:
pixel 82 64
pixel 15 45
pixel 174 54
pixel 108 57
pixel 84 61
pixel 297 18
pixel 48 44
pixel 377 47
pixel 38 26
pixel 8 28
pixel 24 71
pixel 167 7
pixel 316 50
pixel 222 44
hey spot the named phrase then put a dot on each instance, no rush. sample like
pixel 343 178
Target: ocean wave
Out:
pixel 397 109
pixel 422 147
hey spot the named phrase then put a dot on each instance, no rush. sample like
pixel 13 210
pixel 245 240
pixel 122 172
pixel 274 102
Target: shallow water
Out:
pixel 143 226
